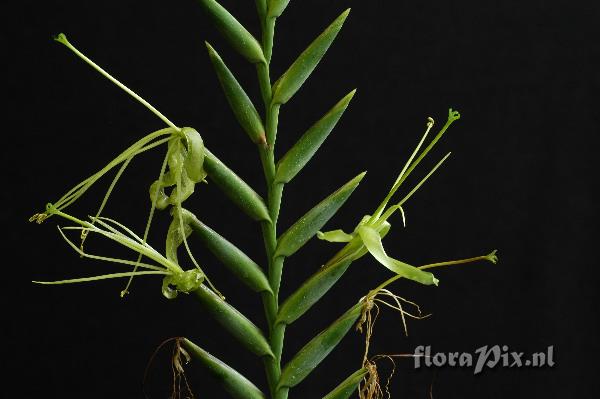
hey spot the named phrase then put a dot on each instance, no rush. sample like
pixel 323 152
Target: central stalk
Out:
pixel 269 229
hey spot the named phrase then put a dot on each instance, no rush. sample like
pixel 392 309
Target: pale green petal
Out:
pixel 335 236
pixel 186 281
pixel 372 241
pixel 175 238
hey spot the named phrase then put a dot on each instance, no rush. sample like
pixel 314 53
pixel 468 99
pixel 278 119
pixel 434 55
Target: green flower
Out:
pixel 175 279
pixel 181 170
pixel 369 233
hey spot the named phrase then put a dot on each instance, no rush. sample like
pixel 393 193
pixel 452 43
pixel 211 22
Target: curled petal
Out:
pixel 194 160
pixel 186 281
pixel 335 236
pixel 175 237
pixel 372 240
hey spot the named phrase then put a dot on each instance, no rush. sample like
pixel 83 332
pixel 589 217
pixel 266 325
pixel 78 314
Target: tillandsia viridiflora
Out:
pixel 188 162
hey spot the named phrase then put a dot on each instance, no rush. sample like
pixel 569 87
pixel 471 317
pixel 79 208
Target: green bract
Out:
pixel 304 149
pixel 368 234
pixel 291 81
pixel 308 225
pixel 313 353
pixel 276 7
pixel 187 162
pixel 238 386
pixel 240 103
pixel 232 257
pixel 234 322
pixel 348 386
pixel 237 36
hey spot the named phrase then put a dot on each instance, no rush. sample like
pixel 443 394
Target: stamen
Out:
pixel 102 277
pixel 401 177
pixel 138 147
pixel 390 211
pixel 163 168
pixel 104 258
pixel 106 196
pixel 61 38
pixel 491 257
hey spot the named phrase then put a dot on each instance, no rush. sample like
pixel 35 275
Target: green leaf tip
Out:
pixel 306 147
pixel 233 31
pixel 313 220
pixel 276 8
pixel 230 256
pixel 317 349
pixel 347 387
pixel 292 79
pixel 238 386
pixel 242 329
pixel 239 102
pixel 238 191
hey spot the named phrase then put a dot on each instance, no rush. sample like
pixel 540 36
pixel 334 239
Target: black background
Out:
pixel 524 76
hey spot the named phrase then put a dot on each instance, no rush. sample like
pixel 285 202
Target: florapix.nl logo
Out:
pixel 483 357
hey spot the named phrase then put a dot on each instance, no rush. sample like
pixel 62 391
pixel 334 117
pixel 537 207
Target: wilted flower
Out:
pixel 184 158
pixel 175 278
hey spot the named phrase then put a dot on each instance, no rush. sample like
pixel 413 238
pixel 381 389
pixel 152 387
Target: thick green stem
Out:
pixel 282 393
pixel 269 229
pixel 272 121
pixel 264 81
pixel 274 195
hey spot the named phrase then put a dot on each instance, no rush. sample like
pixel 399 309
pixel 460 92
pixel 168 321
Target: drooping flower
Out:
pixel 175 279
pixel 181 170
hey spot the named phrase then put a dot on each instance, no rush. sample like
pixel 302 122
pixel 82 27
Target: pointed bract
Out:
pixel 238 325
pixel 231 256
pixel 304 149
pixel 276 7
pixel 318 348
pixel 238 386
pixel 309 224
pixel 240 103
pixel 289 83
pixel 348 386
pixel 235 188
pixel 234 32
